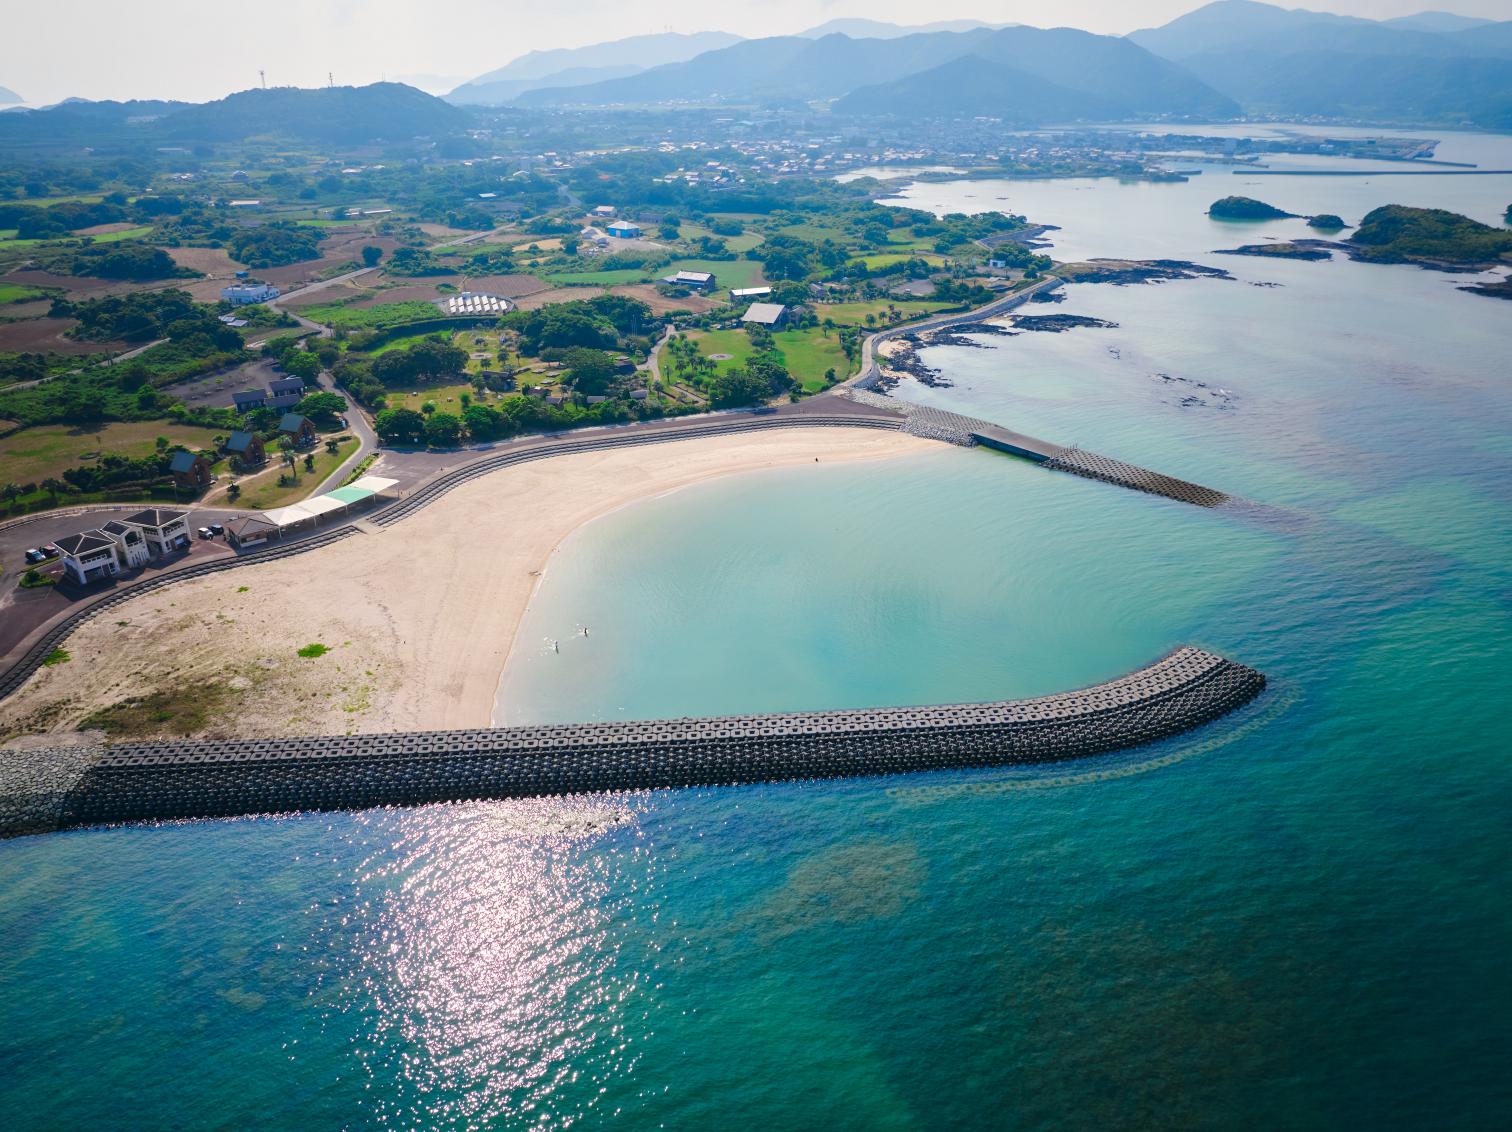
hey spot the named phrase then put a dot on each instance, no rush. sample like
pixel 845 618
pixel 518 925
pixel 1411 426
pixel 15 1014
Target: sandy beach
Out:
pixel 418 619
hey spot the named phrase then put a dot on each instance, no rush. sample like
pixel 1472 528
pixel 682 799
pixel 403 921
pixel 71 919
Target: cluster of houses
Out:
pixel 281 393
pixel 124 544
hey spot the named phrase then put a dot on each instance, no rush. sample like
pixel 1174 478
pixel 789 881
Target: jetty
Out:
pixel 63 788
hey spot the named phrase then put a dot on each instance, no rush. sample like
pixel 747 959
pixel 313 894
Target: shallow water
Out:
pixel 1294 918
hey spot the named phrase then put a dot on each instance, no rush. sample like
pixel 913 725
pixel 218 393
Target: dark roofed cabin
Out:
pixel 191 471
pixel 246 447
pixel 297 428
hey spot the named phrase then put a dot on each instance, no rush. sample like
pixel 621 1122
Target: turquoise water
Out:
pixel 1296 918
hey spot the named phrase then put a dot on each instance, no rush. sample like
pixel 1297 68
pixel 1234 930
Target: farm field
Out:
pixel 34 454
pixel 599 278
pixel 16 293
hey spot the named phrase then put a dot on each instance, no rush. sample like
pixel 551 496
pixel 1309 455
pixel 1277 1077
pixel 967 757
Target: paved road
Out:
pixel 869 369
pixel 357 423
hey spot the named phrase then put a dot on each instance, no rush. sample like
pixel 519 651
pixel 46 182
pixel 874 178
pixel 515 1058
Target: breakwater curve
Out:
pixel 227 778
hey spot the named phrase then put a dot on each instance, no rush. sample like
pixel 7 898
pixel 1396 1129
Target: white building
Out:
pixel 604 210
pixel 749 293
pixel 765 314
pixel 243 293
pixel 104 552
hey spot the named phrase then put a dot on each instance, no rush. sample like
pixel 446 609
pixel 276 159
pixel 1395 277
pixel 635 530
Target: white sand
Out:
pixel 419 618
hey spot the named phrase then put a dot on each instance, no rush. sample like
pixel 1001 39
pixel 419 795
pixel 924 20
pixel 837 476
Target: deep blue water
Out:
pixel 1294 918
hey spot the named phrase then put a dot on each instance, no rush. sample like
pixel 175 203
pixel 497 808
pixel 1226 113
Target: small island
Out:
pixel 1247 208
pixel 1326 222
pixel 1432 237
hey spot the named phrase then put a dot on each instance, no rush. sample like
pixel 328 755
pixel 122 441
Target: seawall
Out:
pixel 159 781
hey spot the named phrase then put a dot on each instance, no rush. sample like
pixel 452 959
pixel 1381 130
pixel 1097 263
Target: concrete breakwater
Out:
pixel 953 428
pixel 158 781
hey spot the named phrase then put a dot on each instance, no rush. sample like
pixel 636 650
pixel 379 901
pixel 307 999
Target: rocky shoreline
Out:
pixel 1128 272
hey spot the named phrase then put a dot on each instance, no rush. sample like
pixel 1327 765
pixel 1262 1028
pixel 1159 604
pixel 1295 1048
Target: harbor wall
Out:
pixel 158 781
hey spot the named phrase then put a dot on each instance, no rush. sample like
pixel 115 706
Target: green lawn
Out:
pixel 16 293
pixel 601 278
pixel 886 259
pixel 124 234
pixel 448 398
pixel 854 314
pixel 382 317
pixel 808 353
pixel 34 454
pixel 264 492
pixel 805 353
pixel 903 237
pixel 727 272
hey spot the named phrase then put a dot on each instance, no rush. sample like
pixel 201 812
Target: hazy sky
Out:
pixel 202 49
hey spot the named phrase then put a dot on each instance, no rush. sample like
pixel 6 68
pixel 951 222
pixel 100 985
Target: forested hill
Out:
pixel 349 115
pixel 382 111
pixel 1116 74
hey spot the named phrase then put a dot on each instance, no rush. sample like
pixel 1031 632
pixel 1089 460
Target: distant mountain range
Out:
pixel 621 58
pixel 1434 67
pixel 1084 75
pixel 8 97
pixel 1227 59
pixel 341 115
pixel 572 66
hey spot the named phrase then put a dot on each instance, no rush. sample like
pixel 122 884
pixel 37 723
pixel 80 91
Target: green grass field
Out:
pixel 727 272
pixel 448 398
pixel 806 354
pixel 264 491
pixel 886 259
pixel 16 293
pixel 381 317
pixel 601 278
pixel 854 314
pixel 34 454
pixel 125 234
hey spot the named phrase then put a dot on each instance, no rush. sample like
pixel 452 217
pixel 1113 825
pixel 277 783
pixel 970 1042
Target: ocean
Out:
pixel 1295 917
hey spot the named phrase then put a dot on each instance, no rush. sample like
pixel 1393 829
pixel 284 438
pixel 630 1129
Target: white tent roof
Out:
pixel 373 483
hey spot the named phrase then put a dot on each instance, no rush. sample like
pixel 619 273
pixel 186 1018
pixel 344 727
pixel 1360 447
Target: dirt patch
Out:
pixel 106 229
pixel 37 308
pixel 76 285
pixel 442 232
pixel 335 293
pixel 335 252
pixel 45 335
pixel 212 261
pixel 661 304
pixel 556 295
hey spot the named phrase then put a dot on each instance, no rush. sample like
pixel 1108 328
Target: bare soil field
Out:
pixel 335 251
pixel 45 335
pixel 660 304
pixel 36 308
pixel 106 229
pixel 84 286
pixel 335 293
pixel 212 261
pixel 557 295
